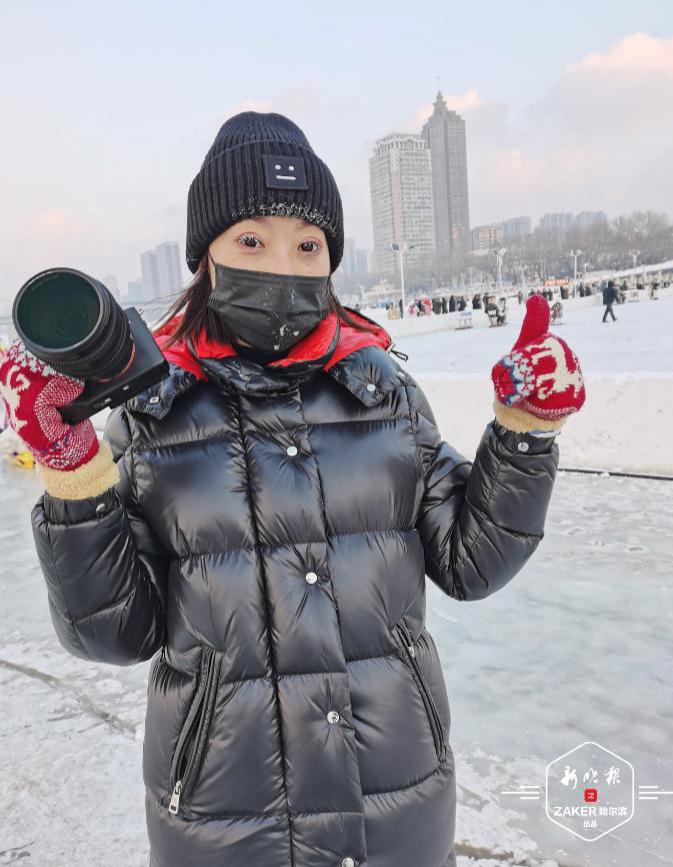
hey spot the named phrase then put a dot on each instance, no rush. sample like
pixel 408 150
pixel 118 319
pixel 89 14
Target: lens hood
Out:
pixel 72 322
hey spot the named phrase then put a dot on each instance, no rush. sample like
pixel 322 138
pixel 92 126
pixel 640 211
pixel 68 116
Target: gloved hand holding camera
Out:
pixel 33 392
pixel 78 352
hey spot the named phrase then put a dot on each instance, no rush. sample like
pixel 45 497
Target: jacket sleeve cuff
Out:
pixel 88 480
pixel 521 421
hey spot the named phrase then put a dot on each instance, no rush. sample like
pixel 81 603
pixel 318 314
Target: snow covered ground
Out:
pixel 576 648
pixel 626 421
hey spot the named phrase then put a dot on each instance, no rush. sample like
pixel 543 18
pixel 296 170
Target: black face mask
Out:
pixel 270 311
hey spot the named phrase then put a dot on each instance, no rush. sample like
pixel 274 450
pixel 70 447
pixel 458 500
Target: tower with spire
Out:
pixel 444 134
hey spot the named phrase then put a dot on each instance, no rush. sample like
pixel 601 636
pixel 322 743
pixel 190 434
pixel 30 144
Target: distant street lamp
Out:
pixel 522 269
pixel 575 254
pixel 402 249
pixel 499 254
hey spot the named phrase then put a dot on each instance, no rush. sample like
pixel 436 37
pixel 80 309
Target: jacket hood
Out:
pixel 350 357
pixel 329 342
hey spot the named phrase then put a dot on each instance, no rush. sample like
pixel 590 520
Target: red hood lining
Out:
pixel 310 347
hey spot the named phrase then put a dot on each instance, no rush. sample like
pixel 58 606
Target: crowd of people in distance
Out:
pixel 495 307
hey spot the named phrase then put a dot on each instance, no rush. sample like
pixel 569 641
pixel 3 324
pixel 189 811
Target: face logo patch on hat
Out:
pixel 287 173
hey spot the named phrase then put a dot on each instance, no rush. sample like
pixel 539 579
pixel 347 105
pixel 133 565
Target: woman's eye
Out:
pixel 245 238
pixel 317 246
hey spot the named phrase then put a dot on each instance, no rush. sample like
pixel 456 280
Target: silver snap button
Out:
pixel 333 717
pixel 523 446
pixel 347 862
pixel 292 450
pixel 311 577
pixel 371 386
pixel 154 399
pixel 100 507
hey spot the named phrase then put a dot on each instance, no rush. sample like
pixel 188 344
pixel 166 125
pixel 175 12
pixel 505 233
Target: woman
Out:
pixel 261 523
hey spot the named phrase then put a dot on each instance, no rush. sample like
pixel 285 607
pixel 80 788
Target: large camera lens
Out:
pixel 59 311
pixel 71 321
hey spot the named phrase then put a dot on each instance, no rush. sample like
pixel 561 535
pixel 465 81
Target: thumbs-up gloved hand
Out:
pixel 539 383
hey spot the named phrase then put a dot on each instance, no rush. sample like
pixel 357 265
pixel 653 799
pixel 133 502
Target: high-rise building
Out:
pixel 362 261
pixel 111 283
pixel 348 261
pixel 161 270
pixel 400 185
pixel 486 237
pixel 556 222
pixel 354 261
pixel 149 271
pixel 515 227
pixel 585 219
pixel 444 134
pixel 136 290
pixel 169 267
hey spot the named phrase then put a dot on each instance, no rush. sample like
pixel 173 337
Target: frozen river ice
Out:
pixel 577 647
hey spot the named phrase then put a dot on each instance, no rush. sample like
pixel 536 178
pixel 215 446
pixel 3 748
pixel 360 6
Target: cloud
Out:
pixel 516 171
pixel 458 102
pixel 248 105
pixel 611 92
pixel 597 139
pixel 58 225
pixel 638 52
pixel 55 237
pixel 302 100
pixel 486 120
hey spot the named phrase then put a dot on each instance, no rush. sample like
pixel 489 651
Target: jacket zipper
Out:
pixel 426 695
pixel 193 737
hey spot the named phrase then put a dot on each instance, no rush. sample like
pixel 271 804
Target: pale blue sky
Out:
pixel 108 109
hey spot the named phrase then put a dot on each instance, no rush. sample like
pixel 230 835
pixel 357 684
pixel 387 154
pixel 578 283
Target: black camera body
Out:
pixel 148 366
pixel 72 322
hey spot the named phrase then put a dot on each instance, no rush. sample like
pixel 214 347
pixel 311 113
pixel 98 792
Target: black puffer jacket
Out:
pixel 269 542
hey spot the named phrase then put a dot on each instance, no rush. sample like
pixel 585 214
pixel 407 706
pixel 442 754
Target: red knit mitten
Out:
pixel 32 391
pixel 541 375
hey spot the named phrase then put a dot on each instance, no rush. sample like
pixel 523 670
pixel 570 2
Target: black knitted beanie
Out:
pixel 261 164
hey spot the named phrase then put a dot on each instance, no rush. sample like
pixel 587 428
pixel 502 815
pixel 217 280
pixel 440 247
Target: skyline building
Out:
pixel 486 237
pixel 556 222
pixel 444 133
pixel 168 266
pixel 400 186
pixel 110 281
pixel 160 270
pixel 355 260
pixel 586 219
pixel 149 275
pixel 515 227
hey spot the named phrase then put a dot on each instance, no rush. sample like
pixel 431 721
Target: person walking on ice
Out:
pixel 609 298
pixel 260 524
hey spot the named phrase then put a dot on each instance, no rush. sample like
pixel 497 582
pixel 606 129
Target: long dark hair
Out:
pixel 199 317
